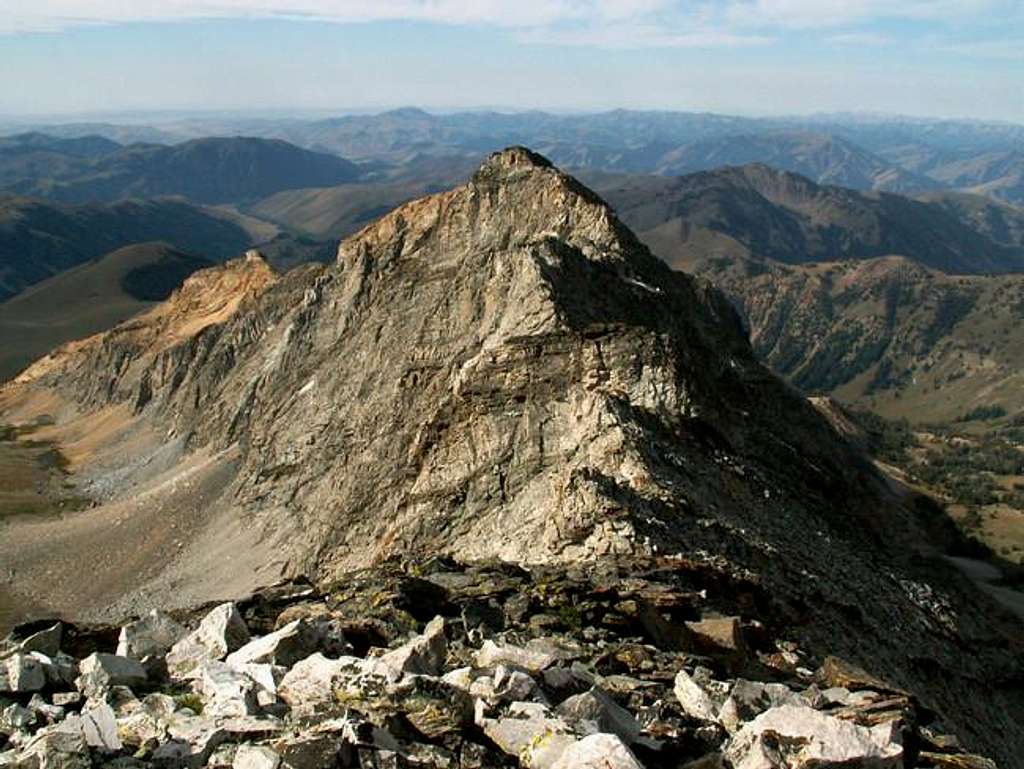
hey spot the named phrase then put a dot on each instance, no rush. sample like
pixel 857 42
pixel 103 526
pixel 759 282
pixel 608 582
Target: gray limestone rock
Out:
pixel 227 691
pixel 255 757
pixel 423 655
pixel 21 672
pixel 220 632
pixel 152 634
pixel 99 672
pixel 799 737
pixel 598 751
pixel 600 710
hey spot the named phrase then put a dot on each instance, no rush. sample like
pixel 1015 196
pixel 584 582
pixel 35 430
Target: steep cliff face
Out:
pixel 504 371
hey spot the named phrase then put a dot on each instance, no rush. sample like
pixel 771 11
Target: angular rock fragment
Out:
pixel 693 699
pixel 423 655
pixel 748 699
pixel 255 757
pixel 14 717
pixel 226 691
pixel 313 681
pixel 99 727
pixel 799 737
pixel 717 634
pixel 598 751
pixel 434 708
pixel 533 732
pixel 153 634
pixel 221 632
pixel 46 641
pixel 99 672
pixel 286 646
pixel 597 708
pixel 52 748
pixel 20 673
pixel 534 661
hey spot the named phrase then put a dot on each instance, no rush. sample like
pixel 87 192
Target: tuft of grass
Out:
pixel 191 701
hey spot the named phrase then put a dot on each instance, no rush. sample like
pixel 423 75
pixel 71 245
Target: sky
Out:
pixel 933 58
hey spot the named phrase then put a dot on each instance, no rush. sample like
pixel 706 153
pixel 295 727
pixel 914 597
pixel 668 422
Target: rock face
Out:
pixel 504 371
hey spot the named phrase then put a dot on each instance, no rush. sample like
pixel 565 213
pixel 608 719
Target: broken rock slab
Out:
pixel 99 727
pixel 153 634
pixel 531 660
pixel 799 737
pixel 226 691
pixel 46 641
pixel 99 672
pixel 597 708
pixel 598 751
pixel 52 748
pixel 423 655
pixel 748 699
pixel 21 673
pixel 694 700
pixel 293 642
pixel 255 757
pixel 221 632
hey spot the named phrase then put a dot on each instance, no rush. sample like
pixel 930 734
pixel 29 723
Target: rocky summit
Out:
pixel 500 374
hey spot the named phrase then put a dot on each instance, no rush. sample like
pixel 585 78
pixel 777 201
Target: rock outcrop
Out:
pixel 504 371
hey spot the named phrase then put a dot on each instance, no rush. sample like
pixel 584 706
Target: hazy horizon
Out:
pixel 937 59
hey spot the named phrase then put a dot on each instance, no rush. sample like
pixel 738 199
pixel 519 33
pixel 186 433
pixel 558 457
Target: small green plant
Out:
pixel 191 701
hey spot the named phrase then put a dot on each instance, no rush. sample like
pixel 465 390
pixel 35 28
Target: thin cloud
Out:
pixel 643 36
pixel 865 39
pixel 1007 50
pixel 53 15
pixel 806 14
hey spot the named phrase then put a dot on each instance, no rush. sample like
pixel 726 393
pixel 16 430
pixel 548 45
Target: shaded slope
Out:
pixel 40 238
pixel 761 213
pixel 213 170
pixel 87 299
pixel 886 333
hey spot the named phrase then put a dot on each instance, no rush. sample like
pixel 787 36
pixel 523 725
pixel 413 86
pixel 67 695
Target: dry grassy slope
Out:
pixel 88 299
pixel 336 212
pixel 39 239
pixel 158 523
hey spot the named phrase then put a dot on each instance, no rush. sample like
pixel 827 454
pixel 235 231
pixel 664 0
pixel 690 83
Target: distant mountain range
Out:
pixel 892 154
pixel 40 238
pixel 212 170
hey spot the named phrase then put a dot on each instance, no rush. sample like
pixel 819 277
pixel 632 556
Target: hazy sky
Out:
pixel 956 58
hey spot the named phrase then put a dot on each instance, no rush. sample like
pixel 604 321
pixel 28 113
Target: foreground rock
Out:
pixel 523 685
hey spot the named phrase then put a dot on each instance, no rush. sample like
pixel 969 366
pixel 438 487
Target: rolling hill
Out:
pixel 759 213
pixel 88 299
pixel 823 158
pixel 334 212
pixel 210 170
pixel 41 238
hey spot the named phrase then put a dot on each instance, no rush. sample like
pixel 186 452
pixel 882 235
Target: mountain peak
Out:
pixel 512 160
pixel 516 199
